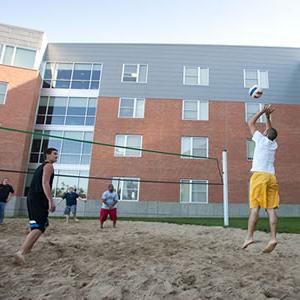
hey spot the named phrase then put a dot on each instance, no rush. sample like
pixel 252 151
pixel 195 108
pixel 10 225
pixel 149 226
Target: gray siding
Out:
pixel 165 70
pixel 23 37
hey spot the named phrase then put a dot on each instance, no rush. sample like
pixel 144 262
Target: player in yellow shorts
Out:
pixel 264 191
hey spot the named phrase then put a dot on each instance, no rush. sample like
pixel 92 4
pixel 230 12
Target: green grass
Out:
pixel 287 225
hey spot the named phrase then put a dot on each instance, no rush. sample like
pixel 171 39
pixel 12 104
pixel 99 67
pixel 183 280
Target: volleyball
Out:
pixel 255 92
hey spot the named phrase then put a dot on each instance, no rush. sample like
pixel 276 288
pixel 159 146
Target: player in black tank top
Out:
pixel 39 202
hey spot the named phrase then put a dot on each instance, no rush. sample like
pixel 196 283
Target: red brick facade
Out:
pixel 19 112
pixel 162 129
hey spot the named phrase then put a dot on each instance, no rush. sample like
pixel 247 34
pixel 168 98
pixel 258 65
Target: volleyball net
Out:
pixel 138 174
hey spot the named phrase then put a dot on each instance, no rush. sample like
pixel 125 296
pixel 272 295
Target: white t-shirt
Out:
pixel 264 153
pixel 110 199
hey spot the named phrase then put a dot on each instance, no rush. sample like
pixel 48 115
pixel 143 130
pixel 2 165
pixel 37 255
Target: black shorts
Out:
pixel 37 205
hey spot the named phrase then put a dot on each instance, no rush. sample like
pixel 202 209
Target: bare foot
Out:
pixel 19 258
pixel 270 247
pixel 247 243
pixel 76 220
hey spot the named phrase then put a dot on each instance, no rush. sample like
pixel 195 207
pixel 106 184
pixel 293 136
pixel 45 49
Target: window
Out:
pixel 135 73
pixel 193 191
pixel 252 77
pixel 3 91
pixel 72 76
pixel 67 111
pixel 127 188
pixel 24 58
pixel 134 141
pixel 70 152
pixel 195 110
pixel 251 109
pixel 62 183
pixel 8 55
pixel 19 57
pixel 131 108
pixel 197 146
pixel 250 149
pixel 194 75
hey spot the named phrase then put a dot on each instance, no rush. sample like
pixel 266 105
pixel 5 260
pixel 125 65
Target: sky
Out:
pixel 225 22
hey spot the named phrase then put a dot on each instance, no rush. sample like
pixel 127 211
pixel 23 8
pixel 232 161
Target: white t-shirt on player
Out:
pixel 110 199
pixel 264 153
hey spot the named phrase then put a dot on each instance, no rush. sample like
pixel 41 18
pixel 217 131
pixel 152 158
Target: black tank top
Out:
pixel 36 185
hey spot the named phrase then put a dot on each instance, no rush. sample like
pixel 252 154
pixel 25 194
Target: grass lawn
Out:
pixel 287 225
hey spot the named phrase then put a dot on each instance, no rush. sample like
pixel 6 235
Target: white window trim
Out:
pixel 126 137
pixel 67 90
pixel 61 164
pixel 81 127
pixel 258 77
pixel 261 119
pixel 134 108
pixel 191 138
pixel 121 179
pixel 63 167
pixel 198 110
pixel 138 73
pixel 199 76
pixel 6 92
pixel 2 53
pixel 14 55
pixel 190 192
pixel 247 149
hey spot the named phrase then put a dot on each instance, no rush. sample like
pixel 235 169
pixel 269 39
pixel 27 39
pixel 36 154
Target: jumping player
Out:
pixel 263 184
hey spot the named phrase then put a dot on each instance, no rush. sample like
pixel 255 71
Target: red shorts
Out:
pixel 105 212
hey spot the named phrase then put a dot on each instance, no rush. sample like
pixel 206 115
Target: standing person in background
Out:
pixel 109 202
pixel 6 192
pixel 71 203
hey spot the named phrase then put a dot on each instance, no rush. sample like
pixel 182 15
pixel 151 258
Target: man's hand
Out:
pixel 268 110
pixel 52 206
pixel 110 207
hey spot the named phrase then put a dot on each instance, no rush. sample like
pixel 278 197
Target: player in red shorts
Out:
pixel 109 202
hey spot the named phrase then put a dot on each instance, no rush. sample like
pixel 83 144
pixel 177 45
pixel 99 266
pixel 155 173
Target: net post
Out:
pixel 225 187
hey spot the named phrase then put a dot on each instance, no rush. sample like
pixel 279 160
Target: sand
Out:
pixel 147 261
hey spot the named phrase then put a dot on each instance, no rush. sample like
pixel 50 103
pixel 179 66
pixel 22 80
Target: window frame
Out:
pixel 198 110
pixel 6 92
pixel 121 179
pixel 191 190
pixel 262 119
pixel 138 73
pixel 63 131
pixel 126 138
pixel 258 72
pixel 134 108
pixel 192 144
pixel 249 140
pixel 86 116
pixel 198 75
pixel 73 63
pixel 3 50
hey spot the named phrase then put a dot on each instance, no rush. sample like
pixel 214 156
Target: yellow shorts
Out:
pixel 264 191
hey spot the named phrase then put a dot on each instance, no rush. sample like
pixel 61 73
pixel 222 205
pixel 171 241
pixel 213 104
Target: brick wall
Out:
pixel 162 128
pixel 18 112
